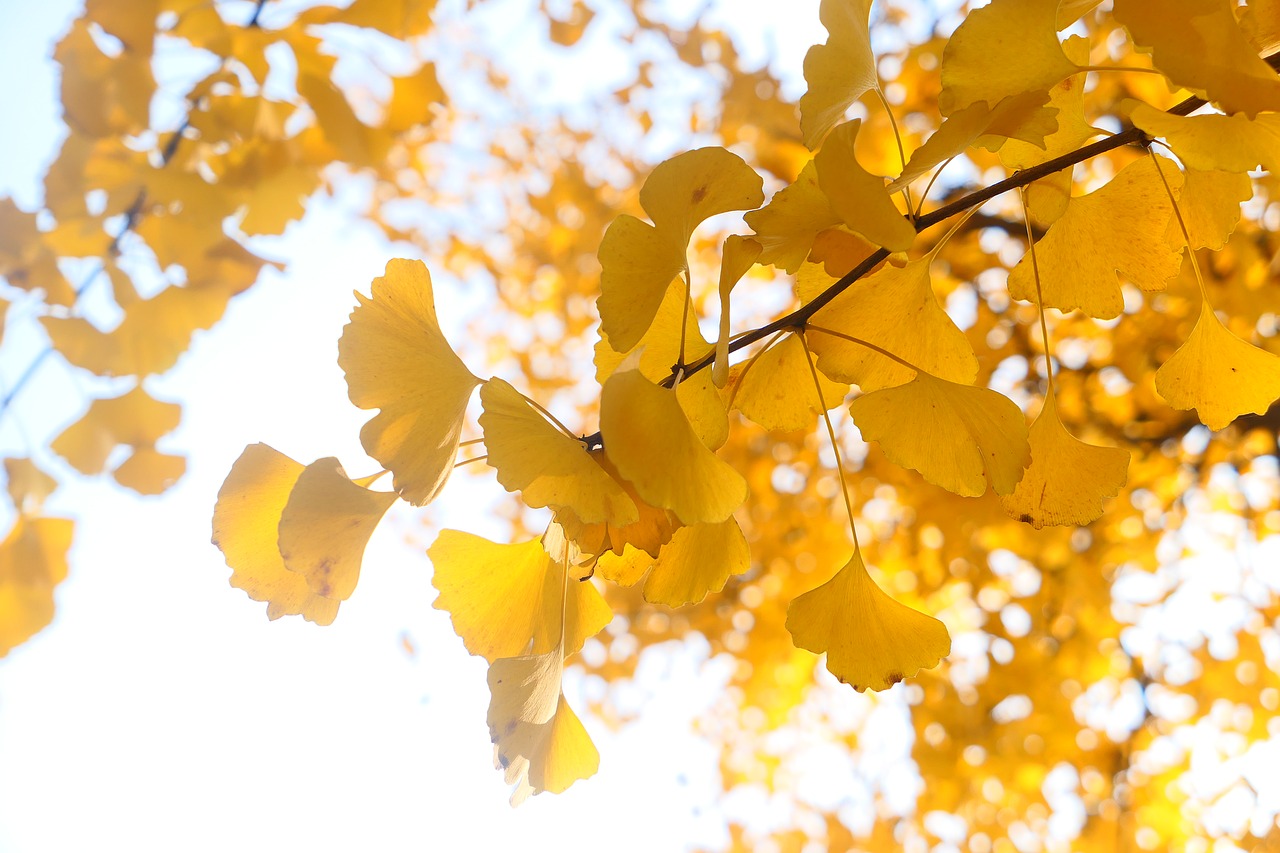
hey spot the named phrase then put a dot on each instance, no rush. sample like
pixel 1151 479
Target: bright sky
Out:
pixel 162 711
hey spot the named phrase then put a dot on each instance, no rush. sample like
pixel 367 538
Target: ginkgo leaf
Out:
pixel 1067 480
pixel 396 359
pixel 683 191
pixel 1210 206
pixel 858 197
pixel 639 260
pixel 1047 197
pixel 740 255
pixel 1007 47
pixel 502 598
pixel 1198 44
pixel 549 468
pixel 651 530
pixel 1025 117
pixel 871 640
pixel 400 19
pixel 787 226
pixel 28 486
pixel 959 437
pixel 1118 228
pixel 838 72
pixel 1234 143
pixel 699 559
pixel 33 560
pixel 134 419
pixel 1218 374
pixel 326 525
pixel 150 338
pixel 659 349
pixel 246 525
pixel 149 472
pixel 538 740
pixel 775 389
pixel 895 309
pixel 648 438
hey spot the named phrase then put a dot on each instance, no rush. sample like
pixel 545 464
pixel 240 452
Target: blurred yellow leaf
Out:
pixel 33 560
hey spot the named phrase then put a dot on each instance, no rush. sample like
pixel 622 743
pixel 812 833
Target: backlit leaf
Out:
pixel 858 197
pixel 396 359
pixel 1234 143
pixel 838 72
pixel 787 226
pixel 33 560
pixel 326 525
pixel 777 391
pixel 1067 480
pixel 1219 375
pixel 871 641
pixel 246 527
pixel 503 598
pixel 959 437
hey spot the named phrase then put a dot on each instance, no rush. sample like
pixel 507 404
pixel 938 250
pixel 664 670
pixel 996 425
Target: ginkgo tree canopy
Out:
pixel 903 377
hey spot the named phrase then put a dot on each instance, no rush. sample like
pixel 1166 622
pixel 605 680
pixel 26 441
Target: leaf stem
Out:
pixel 835 445
pixel 851 339
pixel 1186 235
pixel 546 414
pixel 1035 271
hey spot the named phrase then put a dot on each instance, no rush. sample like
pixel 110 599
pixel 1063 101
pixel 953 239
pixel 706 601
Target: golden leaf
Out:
pixel 246 528
pixel 872 641
pixel 1218 374
pixel 858 197
pixel 787 226
pixel 538 740
pixel 1234 143
pixel 838 72
pixel 1007 47
pixel 548 467
pixel 502 598
pixel 648 533
pixel 739 256
pixel 396 359
pixel 326 525
pixel 777 391
pixel 648 438
pixel 134 419
pixel 959 437
pixel 33 560
pixel 895 309
pixel 1067 480
pixel 28 486
pixel 1118 228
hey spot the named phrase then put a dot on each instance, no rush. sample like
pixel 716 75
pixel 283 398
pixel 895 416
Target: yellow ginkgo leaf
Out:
pixel 959 437
pixel 396 359
pixel 326 525
pixel 699 559
pixel 1199 45
pixel 838 72
pixel 1210 206
pixel 1118 228
pixel 501 598
pixel 549 468
pixel 1218 374
pixel 693 186
pixel 1007 47
pixel 134 419
pixel 649 440
pixel 400 19
pixel 246 527
pixel 871 640
pixel 33 560
pixel 787 226
pixel 153 333
pixel 659 350
pixel 150 472
pixel 639 261
pixel 895 309
pixel 28 486
pixel 740 255
pixel 1047 198
pixel 1234 143
pixel 858 197
pixel 1067 480
pixel 1024 117
pixel 775 389
pixel 651 530
pixel 538 741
